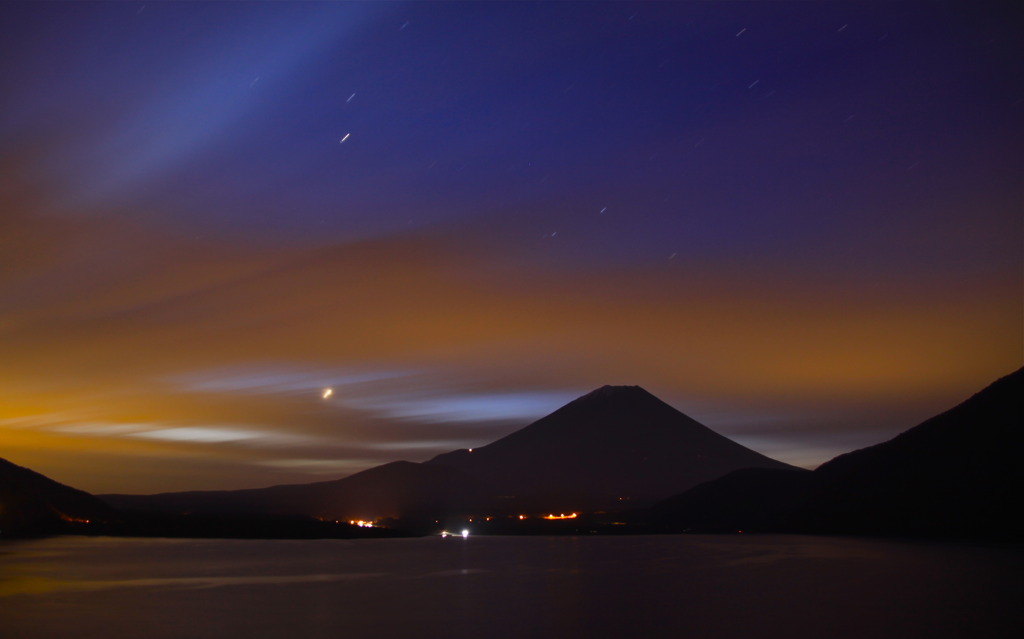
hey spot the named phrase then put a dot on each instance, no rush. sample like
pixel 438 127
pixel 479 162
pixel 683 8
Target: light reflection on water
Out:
pixel 663 586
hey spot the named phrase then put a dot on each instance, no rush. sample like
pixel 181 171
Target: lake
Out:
pixel 696 586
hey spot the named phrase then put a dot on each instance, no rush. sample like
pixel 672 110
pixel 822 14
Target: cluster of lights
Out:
pixel 552 516
pixel 69 518
pixel 463 534
pixel 361 523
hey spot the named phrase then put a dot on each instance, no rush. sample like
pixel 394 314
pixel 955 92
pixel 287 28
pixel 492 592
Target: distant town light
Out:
pixel 465 533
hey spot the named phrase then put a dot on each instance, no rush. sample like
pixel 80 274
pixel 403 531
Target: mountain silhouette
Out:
pixel 33 504
pixel 955 475
pixel 615 447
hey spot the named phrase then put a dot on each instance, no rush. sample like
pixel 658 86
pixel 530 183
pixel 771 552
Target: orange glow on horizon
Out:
pixel 77 398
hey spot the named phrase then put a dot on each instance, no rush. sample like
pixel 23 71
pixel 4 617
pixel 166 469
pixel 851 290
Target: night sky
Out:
pixel 254 243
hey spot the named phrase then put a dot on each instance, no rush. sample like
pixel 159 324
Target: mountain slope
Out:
pixel 956 474
pixel 616 444
pixel 391 490
pixel 32 504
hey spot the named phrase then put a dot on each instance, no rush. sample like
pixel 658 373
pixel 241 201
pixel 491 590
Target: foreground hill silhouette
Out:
pixel 955 475
pixel 616 447
pixel 33 504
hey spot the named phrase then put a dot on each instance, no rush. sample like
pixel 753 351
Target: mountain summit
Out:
pixel 615 444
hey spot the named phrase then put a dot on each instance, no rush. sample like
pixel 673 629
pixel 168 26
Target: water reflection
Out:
pixel 668 586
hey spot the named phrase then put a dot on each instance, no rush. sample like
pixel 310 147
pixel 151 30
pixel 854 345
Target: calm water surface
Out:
pixel 656 586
